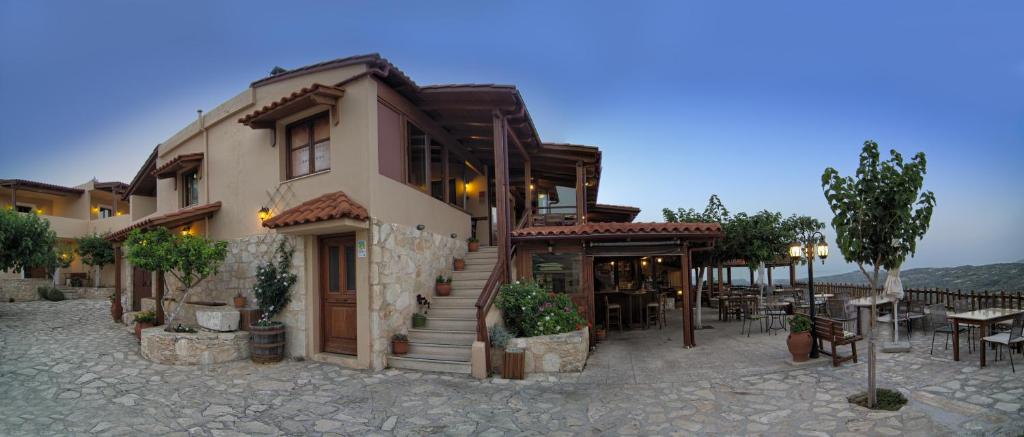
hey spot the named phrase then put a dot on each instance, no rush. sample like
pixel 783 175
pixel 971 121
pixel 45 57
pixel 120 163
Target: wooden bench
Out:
pixel 832 331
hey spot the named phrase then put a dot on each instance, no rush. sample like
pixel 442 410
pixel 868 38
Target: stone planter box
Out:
pixel 183 348
pixel 562 353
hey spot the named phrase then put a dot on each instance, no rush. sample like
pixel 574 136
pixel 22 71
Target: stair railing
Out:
pixel 486 301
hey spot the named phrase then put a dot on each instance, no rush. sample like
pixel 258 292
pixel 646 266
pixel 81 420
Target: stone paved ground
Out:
pixel 66 369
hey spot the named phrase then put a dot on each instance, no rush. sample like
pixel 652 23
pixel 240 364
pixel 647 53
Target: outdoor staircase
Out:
pixel 445 343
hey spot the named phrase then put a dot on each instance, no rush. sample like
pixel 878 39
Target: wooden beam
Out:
pixel 519 145
pixel 117 309
pixel 528 183
pixel 792 274
pixel 581 194
pixel 158 294
pixel 501 187
pixel 684 260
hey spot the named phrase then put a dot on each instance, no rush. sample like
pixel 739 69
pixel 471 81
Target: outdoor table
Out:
pixel 983 319
pixel 775 312
pixel 865 302
pixel 630 295
pixel 725 303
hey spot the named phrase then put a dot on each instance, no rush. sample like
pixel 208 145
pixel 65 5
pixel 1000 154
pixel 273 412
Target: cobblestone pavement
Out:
pixel 66 369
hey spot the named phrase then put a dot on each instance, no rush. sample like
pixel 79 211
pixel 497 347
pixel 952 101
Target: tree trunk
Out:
pixel 96 276
pixel 700 297
pixel 872 380
pixel 177 308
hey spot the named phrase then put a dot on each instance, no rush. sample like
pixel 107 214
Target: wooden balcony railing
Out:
pixel 977 299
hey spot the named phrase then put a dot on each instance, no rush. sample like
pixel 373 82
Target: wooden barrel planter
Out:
pixel 267 343
pixel 514 364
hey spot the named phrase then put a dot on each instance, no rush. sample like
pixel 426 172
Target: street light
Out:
pixel 810 246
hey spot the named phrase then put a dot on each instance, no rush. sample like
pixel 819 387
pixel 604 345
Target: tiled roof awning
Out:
pixel 169 220
pixel 621 230
pixel 305 98
pixel 611 213
pixel 171 168
pixel 39 187
pixel 329 206
pixel 113 187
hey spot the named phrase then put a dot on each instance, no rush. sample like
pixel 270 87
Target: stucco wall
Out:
pixel 404 262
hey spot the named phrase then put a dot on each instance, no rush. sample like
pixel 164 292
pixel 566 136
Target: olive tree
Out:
pixel 27 241
pixel 714 212
pixel 187 258
pixel 879 215
pixel 758 239
pixel 96 252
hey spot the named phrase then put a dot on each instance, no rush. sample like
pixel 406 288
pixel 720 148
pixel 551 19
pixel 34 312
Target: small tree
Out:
pixel 27 241
pixel 758 239
pixel 187 258
pixel 879 216
pixel 714 212
pixel 96 252
pixel 274 281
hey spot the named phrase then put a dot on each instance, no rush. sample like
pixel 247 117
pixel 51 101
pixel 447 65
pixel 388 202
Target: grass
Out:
pixel 889 400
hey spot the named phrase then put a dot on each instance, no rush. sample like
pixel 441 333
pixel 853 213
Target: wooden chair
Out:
pixel 610 308
pixel 655 311
pixel 837 311
pixel 832 331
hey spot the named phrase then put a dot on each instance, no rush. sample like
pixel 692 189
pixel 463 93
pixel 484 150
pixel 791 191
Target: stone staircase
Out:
pixel 445 343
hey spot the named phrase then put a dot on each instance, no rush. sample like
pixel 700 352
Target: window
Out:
pixel 189 189
pixel 106 211
pixel 456 180
pixel 557 272
pixel 25 208
pixel 389 143
pixel 437 170
pixel 309 146
pixel 416 143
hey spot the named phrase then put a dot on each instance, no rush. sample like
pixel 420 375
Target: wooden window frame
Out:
pixel 446 152
pixel 311 145
pixel 185 189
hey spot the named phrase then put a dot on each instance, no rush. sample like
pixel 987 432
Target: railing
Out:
pixel 486 300
pixel 977 299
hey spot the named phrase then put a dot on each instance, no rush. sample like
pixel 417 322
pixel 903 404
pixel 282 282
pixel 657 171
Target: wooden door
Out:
pixel 142 287
pixel 338 294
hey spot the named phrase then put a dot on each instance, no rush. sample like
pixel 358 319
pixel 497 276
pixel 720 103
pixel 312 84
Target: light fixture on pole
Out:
pixel 810 246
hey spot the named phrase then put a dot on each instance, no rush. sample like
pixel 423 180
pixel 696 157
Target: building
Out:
pixel 377 182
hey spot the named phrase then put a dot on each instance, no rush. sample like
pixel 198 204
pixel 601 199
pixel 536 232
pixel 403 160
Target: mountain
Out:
pixel 990 277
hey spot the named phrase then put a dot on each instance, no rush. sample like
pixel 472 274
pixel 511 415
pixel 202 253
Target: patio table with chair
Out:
pixel 865 302
pixel 984 319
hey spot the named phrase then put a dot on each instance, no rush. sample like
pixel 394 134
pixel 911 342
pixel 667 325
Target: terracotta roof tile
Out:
pixel 170 219
pixel 622 229
pixel 27 185
pixel 312 89
pixel 329 206
pixel 170 168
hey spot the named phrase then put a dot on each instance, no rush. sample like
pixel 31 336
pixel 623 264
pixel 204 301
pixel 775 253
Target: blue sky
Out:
pixel 749 100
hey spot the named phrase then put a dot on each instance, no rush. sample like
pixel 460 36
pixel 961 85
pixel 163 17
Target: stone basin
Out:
pixel 189 349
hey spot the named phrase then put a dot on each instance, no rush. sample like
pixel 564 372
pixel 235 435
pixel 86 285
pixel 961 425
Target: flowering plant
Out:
pixel 529 310
pixel 274 281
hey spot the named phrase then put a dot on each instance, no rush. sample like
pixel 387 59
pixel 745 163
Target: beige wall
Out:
pixel 141 206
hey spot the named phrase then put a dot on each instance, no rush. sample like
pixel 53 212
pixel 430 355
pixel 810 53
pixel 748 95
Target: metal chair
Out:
pixel 837 310
pixel 963 306
pixel 937 317
pixel 748 314
pixel 1008 339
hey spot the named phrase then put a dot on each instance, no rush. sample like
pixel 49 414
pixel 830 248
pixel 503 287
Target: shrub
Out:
pixel 274 281
pixel 399 337
pixel 799 323
pixel 442 279
pixel 145 317
pixel 50 293
pixel 530 311
pixel 890 400
pixel 499 336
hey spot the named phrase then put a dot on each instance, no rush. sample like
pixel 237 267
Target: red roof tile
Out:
pixel 316 88
pixel 22 184
pixel 168 220
pixel 330 206
pixel 170 168
pixel 621 229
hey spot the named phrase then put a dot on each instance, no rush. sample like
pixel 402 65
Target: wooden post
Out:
pixel 588 288
pixel 687 306
pixel 117 309
pixel 771 285
pixel 721 283
pixel 581 193
pixel 501 187
pixel 158 294
pixel 792 274
pixel 528 208
pixel 728 274
pixel 751 278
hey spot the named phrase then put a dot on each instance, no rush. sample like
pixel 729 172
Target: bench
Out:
pixel 832 331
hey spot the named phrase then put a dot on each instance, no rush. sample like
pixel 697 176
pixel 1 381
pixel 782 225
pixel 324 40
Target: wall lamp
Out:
pixel 263 214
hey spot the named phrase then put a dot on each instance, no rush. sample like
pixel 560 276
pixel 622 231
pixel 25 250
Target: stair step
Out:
pixel 452 302
pixel 452 312
pixel 443 352
pixel 455 338
pixel 469 283
pixel 472 275
pixel 412 363
pixel 452 324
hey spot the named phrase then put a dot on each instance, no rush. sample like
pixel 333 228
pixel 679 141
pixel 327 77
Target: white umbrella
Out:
pixel 894 289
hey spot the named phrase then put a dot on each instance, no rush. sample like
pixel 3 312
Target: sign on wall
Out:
pixel 361 248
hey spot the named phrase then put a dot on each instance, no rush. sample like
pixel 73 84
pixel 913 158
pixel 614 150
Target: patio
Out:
pixel 67 369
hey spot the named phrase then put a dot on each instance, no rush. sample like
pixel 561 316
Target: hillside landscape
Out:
pixel 991 277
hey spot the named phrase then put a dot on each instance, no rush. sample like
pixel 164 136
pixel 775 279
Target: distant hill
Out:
pixel 991 277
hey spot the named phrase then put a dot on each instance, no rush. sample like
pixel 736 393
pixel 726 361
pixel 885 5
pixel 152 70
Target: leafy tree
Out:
pixel 759 238
pixel 714 212
pixel 27 241
pixel 97 252
pixel 878 216
pixel 187 258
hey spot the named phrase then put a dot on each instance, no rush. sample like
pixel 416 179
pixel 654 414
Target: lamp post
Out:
pixel 810 246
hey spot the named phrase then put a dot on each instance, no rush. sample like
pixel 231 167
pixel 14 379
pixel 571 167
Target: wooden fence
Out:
pixel 978 299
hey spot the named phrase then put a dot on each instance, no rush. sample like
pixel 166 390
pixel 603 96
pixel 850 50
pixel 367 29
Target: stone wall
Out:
pixel 555 353
pixel 181 348
pixel 404 262
pixel 21 289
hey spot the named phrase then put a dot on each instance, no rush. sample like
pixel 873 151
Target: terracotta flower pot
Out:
pixel 460 264
pixel 474 246
pixel 240 302
pixel 139 326
pixel 443 289
pixel 116 311
pixel 399 347
pixel 601 334
pixel 799 346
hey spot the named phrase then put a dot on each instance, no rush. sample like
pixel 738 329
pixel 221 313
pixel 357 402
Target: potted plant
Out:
pixel 274 281
pixel 499 337
pixel 115 310
pixel 600 333
pixel 143 320
pixel 443 286
pixel 419 319
pixel 799 340
pixel 399 344
pixel 460 264
pixel 240 301
pixel 474 244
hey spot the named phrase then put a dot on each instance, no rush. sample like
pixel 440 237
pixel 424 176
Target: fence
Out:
pixel 978 299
